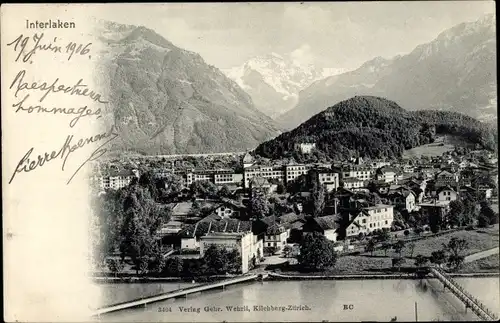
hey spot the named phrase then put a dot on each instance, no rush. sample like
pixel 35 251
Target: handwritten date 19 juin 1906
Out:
pixel 27 164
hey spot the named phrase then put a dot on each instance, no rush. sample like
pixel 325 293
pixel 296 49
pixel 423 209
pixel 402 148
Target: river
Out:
pixel 344 300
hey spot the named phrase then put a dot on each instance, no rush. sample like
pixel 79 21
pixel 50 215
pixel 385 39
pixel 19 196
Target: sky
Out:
pixel 336 34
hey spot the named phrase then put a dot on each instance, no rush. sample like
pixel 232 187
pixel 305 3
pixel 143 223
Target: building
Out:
pixel 436 209
pixel 446 178
pixel 403 200
pixel 293 171
pixel 446 194
pixel 386 175
pixel 305 148
pixel 353 183
pixel 358 172
pixel 326 225
pixel 369 219
pixel 328 178
pixel 191 234
pixel 248 246
pixel 275 236
pixel 217 176
pixel 115 180
pixel 486 191
pixel 230 209
pixel 248 160
pixel 268 172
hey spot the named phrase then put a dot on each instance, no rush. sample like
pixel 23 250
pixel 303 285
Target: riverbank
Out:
pixel 280 276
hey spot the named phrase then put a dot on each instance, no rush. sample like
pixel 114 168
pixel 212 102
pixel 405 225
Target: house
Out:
pixel 230 209
pixel 115 180
pixel 305 147
pixel 446 193
pixel 326 225
pixel 486 191
pixel 435 209
pixel 191 234
pixel 386 174
pixel 248 246
pixel 328 178
pixel 368 219
pixel 260 185
pixel 275 236
pixel 353 183
pixel 248 160
pixel 355 171
pixel 444 178
pixel 403 200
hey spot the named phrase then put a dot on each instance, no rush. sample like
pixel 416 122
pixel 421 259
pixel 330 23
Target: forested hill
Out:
pixel 374 127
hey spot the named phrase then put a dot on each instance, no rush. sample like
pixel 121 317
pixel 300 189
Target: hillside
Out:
pixel 454 72
pixel 374 127
pixel 166 100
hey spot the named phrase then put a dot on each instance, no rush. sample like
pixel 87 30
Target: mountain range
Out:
pixel 373 127
pixel 167 100
pixel 274 81
pixel 454 72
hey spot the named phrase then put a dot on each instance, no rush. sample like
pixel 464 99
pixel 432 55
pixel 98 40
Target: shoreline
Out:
pixel 279 276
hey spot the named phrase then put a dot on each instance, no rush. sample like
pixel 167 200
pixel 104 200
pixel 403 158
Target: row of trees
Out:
pixel 215 261
pixel 452 254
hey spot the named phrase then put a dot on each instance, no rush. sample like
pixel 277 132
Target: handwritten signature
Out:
pixel 26 164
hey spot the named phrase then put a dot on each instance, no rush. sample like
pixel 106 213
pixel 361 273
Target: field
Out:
pixel 478 240
pixel 488 264
pixel 437 148
pixel 360 264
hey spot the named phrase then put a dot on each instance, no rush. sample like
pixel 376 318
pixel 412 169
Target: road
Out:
pixel 482 254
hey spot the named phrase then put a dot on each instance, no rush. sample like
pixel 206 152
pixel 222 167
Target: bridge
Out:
pixel 470 301
pixel 178 293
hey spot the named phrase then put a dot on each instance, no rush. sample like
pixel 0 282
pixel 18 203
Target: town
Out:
pixel 234 213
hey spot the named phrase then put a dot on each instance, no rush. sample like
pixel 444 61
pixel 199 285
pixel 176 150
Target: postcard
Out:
pixel 250 162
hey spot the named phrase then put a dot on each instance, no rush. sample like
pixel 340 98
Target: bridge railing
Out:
pixel 457 286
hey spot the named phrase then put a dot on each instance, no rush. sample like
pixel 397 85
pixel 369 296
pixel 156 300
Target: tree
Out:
pixel 411 248
pixel 418 230
pixel 386 246
pixel 219 260
pixel 455 247
pixel 483 221
pixel 195 209
pixel 406 232
pixel 287 250
pixel 173 266
pixel 317 253
pixel 384 235
pixel 318 199
pixel 370 246
pixel 259 207
pixel 438 257
pixel 487 212
pixel 281 189
pixel 421 261
pixel 224 191
pixel 398 261
pixel 399 246
pixel 455 216
pixel 143 218
pixel 115 265
pixel 203 189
